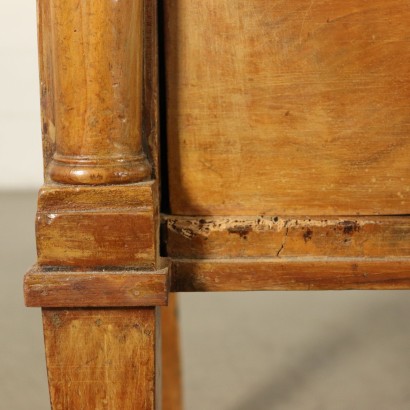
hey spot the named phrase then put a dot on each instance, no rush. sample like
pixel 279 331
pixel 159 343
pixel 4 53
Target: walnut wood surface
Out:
pixel 101 358
pixel 236 237
pixel 46 82
pixel 98 69
pixel 112 226
pixel 171 388
pixel 150 120
pixel 150 103
pixel 97 54
pixel 273 108
pixel 244 274
pixel 62 288
pixel 171 364
pixel 289 108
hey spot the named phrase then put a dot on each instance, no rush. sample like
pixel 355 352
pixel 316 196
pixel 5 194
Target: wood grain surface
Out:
pixel 246 274
pixel 46 82
pixel 150 122
pixel 263 236
pixel 97 58
pixel 150 101
pixel 289 108
pixel 62 288
pixel 171 358
pixel 110 226
pixel 98 244
pixel 102 358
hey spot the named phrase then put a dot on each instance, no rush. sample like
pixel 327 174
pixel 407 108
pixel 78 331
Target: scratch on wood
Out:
pixel 282 246
pixel 305 15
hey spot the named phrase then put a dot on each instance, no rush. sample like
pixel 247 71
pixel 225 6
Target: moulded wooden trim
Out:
pixel 247 274
pixel 60 198
pixel 50 287
pixel 286 236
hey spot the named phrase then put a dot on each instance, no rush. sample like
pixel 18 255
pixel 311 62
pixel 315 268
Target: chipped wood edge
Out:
pixel 286 236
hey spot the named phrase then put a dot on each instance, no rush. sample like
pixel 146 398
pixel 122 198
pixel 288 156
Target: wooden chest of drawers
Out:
pixel 195 145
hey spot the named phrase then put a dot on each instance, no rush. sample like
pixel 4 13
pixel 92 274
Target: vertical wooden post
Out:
pixel 91 67
pixel 97 56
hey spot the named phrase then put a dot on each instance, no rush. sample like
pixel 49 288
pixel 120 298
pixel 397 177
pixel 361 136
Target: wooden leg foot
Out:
pixel 102 358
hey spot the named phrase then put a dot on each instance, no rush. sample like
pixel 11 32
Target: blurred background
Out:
pixel 242 351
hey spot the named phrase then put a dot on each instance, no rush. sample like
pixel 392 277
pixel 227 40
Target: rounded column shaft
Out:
pixel 97 53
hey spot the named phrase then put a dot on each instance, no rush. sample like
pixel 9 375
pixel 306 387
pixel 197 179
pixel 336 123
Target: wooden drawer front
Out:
pixel 288 107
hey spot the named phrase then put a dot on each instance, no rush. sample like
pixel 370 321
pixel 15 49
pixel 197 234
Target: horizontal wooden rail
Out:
pixel 285 236
pixel 247 274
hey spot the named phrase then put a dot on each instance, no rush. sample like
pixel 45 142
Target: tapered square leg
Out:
pixel 103 358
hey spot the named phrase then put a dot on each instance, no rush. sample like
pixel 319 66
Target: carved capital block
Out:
pixel 89 227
